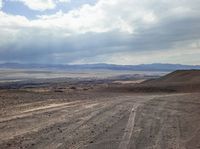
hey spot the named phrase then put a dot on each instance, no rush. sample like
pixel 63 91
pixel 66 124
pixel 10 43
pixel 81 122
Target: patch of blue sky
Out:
pixel 18 8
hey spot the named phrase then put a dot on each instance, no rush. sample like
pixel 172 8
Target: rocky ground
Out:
pixel 114 113
pixel 91 117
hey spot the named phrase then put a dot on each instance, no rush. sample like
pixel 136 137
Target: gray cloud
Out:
pixel 176 28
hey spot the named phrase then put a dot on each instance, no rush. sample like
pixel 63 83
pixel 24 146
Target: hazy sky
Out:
pixel 100 31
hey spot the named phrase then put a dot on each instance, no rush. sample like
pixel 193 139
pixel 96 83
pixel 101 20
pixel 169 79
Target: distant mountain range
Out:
pixel 142 67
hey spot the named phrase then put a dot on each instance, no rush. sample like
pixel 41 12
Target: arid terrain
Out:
pixel 115 113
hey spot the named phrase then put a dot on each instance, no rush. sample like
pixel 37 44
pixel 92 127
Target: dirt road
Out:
pixel 118 122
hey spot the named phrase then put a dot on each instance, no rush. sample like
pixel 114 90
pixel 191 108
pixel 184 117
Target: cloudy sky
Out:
pixel 100 31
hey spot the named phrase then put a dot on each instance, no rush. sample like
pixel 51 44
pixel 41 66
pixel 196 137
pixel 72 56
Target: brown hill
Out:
pixel 179 76
pixel 180 80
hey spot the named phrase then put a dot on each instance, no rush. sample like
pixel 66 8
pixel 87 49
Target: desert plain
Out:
pixel 87 111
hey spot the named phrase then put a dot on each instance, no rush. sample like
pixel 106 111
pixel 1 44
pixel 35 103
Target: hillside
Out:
pixel 142 67
pixel 180 80
pixel 179 76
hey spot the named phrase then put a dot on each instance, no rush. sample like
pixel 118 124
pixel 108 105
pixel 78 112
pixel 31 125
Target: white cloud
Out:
pixel 129 16
pixel 138 24
pixel 64 1
pixel 122 15
pixel 107 15
pixel 41 5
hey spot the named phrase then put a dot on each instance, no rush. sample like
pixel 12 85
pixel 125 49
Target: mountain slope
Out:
pixel 142 67
pixel 180 80
pixel 179 76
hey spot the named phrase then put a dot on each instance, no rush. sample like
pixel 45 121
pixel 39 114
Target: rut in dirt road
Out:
pixel 53 125
pixel 124 144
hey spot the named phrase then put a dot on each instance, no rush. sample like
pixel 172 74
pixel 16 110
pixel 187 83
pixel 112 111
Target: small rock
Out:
pixel 92 131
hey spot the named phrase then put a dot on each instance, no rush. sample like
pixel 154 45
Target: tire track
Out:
pixel 124 144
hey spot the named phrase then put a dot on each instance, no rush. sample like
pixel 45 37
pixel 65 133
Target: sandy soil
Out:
pixel 96 119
